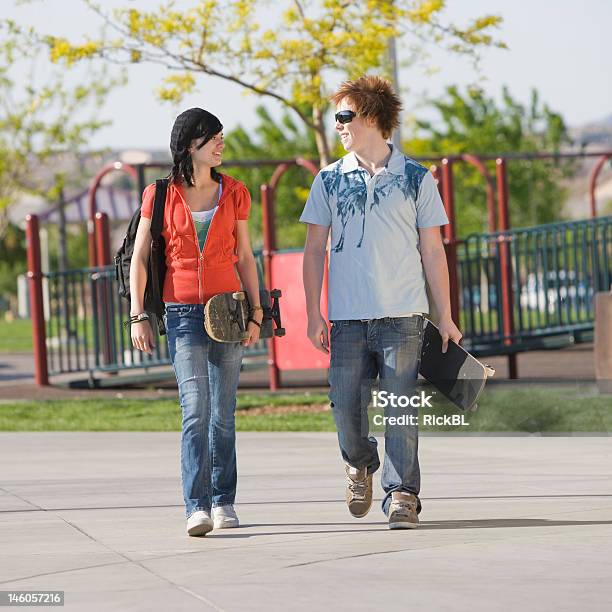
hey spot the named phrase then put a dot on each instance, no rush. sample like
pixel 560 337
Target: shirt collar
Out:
pixel 349 163
pixel 395 165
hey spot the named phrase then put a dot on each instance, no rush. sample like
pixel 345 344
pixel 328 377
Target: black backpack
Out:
pixel 156 269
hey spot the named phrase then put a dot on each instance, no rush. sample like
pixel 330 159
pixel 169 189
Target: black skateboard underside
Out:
pixel 456 374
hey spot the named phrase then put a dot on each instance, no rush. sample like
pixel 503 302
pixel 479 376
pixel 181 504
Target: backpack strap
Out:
pixel 157 221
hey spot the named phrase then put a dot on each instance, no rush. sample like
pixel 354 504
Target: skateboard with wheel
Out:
pixel 226 316
pixel 456 374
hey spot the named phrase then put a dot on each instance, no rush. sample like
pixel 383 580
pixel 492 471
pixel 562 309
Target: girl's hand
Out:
pixel 142 336
pixel 253 330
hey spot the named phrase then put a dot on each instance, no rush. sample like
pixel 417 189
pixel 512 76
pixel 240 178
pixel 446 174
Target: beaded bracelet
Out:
pixel 143 316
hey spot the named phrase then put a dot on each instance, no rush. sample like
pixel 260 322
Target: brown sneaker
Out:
pixel 403 511
pixel 358 491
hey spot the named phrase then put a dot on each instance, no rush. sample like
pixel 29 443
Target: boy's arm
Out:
pixel 314 263
pixel 436 272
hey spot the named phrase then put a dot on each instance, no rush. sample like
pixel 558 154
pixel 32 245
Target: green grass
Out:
pixel 503 410
pixel 537 409
pixel 15 335
pixel 147 415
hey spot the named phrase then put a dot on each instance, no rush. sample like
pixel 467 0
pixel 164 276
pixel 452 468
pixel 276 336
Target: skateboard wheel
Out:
pixel 238 296
pixel 275 293
pixel 279 332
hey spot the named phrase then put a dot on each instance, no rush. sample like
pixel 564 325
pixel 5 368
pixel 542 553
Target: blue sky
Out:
pixel 562 48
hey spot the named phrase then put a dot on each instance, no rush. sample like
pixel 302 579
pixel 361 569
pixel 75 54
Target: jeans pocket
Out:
pixel 336 326
pixel 407 326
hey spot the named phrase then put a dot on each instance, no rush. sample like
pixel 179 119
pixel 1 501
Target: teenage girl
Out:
pixel 207 252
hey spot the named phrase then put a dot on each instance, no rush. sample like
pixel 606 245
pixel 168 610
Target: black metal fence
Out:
pixel 84 317
pixel 551 275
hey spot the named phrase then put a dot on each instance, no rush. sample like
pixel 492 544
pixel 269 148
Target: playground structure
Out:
pixel 512 290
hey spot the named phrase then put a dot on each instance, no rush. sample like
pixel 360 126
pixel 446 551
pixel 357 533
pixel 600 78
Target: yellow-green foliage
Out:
pixel 295 56
pixel 44 119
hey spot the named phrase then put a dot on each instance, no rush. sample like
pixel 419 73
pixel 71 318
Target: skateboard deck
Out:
pixel 226 316
pixel 459 376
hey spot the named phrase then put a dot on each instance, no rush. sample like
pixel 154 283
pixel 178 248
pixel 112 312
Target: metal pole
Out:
pixel 505 263
pixel 140 169
pixel 63 254
pixel 63 266
pixel 103 259
pixel 92 205
pixel 479 165
pixel 593 182
pixel 450 236
pixel 41 371
pixel 267 220
pixel 397 133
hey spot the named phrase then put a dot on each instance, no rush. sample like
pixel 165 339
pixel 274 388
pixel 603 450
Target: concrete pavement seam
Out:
pixel 139 564
pixel 23 499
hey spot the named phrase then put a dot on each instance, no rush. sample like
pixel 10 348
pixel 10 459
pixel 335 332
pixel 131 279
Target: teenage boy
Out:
pixel 385 213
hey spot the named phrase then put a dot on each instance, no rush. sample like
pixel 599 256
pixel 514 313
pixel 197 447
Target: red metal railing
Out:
pixel 35 277
pixel 593 181
pixel 269 245
pixel 91 220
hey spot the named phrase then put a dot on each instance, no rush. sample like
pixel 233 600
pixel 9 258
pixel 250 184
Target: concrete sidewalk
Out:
pixel 508 523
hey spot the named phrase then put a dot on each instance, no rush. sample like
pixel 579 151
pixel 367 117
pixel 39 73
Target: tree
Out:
pixel 12 262
pixel 471 122
pixel 275 140
pixel 41 124
pixel 42 129
pixel 290 59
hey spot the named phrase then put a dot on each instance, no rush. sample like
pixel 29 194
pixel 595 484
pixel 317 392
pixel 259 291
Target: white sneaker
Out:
pixel 225 517
pixel 199 523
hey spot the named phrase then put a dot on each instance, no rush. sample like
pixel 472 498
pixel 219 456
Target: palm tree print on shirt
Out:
pixel 351 193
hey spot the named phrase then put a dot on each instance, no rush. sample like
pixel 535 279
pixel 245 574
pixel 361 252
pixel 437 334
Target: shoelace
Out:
pixel 403 508
pixel 225 512
pixel 359 488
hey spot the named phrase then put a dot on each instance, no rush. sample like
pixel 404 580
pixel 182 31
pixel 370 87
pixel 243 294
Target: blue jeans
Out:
pixel 207 374
pixel 361 351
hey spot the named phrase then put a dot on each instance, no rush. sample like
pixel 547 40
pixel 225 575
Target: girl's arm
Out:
pixel 247 270
pixel 141 333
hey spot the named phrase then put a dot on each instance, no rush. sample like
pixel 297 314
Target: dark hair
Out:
pixel 182 171
pixel 189 125
pixel 373 98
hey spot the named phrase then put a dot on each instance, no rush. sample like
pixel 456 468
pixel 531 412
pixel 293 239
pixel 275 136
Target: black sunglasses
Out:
pixel 345 116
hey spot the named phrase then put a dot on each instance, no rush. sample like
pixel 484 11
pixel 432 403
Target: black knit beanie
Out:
pixel 190 124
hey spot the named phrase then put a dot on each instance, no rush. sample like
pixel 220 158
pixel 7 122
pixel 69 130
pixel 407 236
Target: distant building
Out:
pixel 117 195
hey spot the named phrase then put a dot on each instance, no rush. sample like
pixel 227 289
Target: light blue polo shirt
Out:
pixel 375 265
